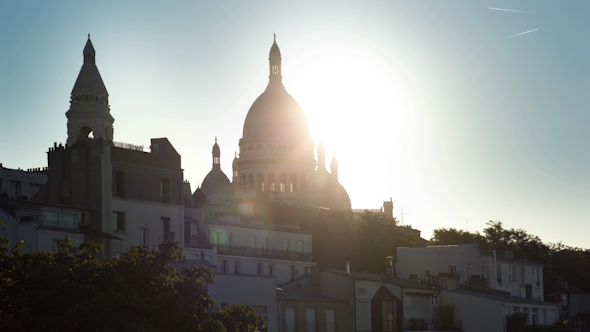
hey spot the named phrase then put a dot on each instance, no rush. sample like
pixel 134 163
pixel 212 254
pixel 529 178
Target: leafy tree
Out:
pixel 448 236
pixel 139 291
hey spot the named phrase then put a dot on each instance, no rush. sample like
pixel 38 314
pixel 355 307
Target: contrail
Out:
pixel 511 10
pixel 518 34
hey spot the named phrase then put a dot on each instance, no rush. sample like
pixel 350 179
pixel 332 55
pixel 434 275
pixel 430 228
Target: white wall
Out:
pixel 477 313
pixel 140 214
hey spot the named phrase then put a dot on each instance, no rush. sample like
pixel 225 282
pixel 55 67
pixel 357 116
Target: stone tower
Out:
pixel 89 115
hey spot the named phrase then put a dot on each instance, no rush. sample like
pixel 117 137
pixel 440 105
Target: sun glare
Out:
pixel 351 102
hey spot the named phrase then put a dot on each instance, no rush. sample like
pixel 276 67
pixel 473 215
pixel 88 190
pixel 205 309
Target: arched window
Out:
pixel 271 181
pixel 243 183
pixel 293 183
pixel 303 183
pixel 260 186
pixel 251 183
pixel 283 182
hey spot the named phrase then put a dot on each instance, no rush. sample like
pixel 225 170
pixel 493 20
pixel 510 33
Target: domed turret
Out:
pixel 321 157
pixel 89 111
pixel 216 186
pixel 334 167
pixel 216 154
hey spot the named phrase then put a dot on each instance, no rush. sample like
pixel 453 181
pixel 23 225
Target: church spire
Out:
pixel 334 167
pixel 321 157
pixel 274 60
pixel 89 115
pixel 216 154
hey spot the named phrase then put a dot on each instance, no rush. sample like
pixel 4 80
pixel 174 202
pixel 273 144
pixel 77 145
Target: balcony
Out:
pixel 424 324
pixel 264 253
pixel 301 325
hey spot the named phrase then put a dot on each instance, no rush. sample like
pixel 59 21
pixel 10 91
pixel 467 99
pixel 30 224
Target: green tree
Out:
pixel 140 291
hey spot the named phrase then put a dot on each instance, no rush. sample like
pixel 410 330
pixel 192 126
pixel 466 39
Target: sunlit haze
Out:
pixel 464 112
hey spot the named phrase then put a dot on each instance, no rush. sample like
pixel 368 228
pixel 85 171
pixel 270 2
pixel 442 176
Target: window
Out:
pixel 283 182
pixel 265 242
pixel 194 232
pixel 260 269
pixel 271 270
pixel 498 273
pixel 286 244
pixel 300 245
pixel 15 189
pixel 452 269
pixel 385 311
pixel 167 234
pixel 260 186
pixel 294 272
pixel 251 183
pixel 144 237
pixel 253 241
pixel 120 184
pixel 224 266
pixel 514 272
pixel 330 320
pixel 271 181
pixel 290 323
pixel 119 221
pixel 56 244
pixel 310 323
pixel 538 276
pixel 259 146
pixel 237 266
pixel 165 190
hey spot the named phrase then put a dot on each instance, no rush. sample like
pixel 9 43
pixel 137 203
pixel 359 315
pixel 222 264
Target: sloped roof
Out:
pixel 499 297
pixel 381 277
pixel 299 294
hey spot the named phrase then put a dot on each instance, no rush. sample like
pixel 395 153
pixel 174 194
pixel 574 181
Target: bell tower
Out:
pixel 89 116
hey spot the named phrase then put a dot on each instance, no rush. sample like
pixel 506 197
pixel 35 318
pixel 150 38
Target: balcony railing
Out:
pixel 264 253
pixel 304 326
pixel 425 324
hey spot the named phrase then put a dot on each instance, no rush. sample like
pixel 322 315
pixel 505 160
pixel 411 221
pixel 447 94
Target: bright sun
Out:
pixel 353 106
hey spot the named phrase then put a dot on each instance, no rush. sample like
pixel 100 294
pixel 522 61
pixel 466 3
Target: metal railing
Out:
pixel 264 253
pixel 425 324
pixel 291 326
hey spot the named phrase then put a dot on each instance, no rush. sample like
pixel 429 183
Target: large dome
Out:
pixel 276 114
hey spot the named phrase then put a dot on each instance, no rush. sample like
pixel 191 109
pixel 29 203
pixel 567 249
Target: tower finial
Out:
pixel 88 36
pixel 274 35
pixel 215 139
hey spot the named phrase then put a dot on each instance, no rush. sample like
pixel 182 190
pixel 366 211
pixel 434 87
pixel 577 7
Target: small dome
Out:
pixel 275 52
pixel 216 151
pixel 235 162
pixel 218 189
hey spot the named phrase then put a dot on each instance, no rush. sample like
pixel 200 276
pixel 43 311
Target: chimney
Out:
pixel 390 267
pixel 347 267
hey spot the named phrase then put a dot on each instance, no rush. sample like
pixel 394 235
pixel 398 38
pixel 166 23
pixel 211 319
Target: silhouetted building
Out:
pixel 135 196
pixel 276 159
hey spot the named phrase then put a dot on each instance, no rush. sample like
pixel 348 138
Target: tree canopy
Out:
pixel 560 262
pixel 140 291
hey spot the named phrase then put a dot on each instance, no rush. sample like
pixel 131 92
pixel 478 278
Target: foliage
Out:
pixel 560 262
pixel 515 321
pixel 339 237
pixel 139 291
pixel 446 314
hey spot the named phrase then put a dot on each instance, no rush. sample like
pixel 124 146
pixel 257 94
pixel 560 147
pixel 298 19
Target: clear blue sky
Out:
pixel 432 102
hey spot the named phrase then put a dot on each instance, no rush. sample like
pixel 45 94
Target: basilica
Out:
pixel 276 159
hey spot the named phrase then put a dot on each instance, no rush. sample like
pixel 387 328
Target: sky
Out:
pixel 459 111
